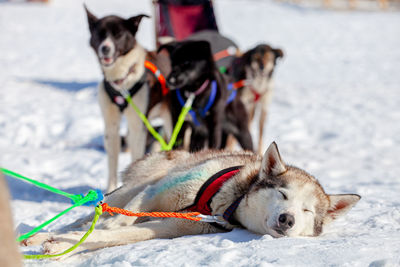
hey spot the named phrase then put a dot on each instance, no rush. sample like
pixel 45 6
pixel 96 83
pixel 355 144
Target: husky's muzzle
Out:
pixel 106 52
pixel 285 222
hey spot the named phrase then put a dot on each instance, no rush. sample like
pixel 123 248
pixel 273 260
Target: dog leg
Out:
pixel 142 202
pixel 137 133
pixel 216 126
pixel 112 118
pixel 198 138
pixel 167 228
pixel 264 101
pixel 243 134
pixel 112 144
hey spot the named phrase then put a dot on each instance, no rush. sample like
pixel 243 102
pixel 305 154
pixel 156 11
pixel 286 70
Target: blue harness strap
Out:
pixel 210 102
pixel 191 111
pixel 202 111
pixel 233 93
pixel 211 99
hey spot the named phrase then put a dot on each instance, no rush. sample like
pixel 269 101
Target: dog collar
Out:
pixel 256 94
pixel 202 87
pixel 209 189
pixel 116 96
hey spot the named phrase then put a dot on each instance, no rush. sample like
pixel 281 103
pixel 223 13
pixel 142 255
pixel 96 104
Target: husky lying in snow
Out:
pixel 263 195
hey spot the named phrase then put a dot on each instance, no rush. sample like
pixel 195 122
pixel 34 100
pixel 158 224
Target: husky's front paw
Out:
pixel 53 246
pixel 57 244
pixel 35 240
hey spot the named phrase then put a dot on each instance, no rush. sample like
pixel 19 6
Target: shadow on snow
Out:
pixel 67 86
pixel 21 190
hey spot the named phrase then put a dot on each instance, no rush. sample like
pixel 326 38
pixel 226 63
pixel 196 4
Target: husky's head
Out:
pixel 294 203
pixel 112 36
pixel 191 63
pixel 257 65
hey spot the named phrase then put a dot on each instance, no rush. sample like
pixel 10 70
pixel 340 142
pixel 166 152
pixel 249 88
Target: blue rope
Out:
pixel 211 99
pixel 94 202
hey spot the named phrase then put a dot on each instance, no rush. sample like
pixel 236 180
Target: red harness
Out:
pixel 256 94
pixel 209 189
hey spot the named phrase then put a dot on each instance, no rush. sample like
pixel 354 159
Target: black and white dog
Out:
pixel 122 61
pixel 215 113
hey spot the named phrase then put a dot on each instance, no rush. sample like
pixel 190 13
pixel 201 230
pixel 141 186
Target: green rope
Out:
pixel 92 195
pixel 181 119
pixel 74 198
pixel 156 135
pixel 99 211
pixel 146 122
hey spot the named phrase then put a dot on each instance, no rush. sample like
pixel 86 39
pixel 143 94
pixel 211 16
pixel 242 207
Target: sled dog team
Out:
pixel 260 193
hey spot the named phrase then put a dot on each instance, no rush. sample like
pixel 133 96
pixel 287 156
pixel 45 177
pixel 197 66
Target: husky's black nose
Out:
pixel 286 221
pixel 105 49
pixel 172 82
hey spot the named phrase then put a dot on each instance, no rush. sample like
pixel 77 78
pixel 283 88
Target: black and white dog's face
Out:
pixel 191 63
pixel 112 36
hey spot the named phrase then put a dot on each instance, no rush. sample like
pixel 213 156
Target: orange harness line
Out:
pixel 153 68
pixel 188 215
pixel 239 84
pixel 230 51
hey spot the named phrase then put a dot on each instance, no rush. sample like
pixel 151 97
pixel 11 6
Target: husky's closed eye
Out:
pixel 283 195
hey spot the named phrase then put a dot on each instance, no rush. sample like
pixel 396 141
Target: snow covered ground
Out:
pixel 335 113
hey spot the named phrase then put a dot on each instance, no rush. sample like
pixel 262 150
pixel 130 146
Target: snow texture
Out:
pixel 335 113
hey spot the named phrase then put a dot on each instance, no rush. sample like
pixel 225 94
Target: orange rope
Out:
pixel 189 215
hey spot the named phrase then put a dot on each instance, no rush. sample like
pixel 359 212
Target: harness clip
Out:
pixel 212 219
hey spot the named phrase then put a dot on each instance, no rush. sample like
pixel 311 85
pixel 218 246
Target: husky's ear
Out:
pixel 272 164
pixel 168 46
pixel 92 19
pixel 133 22
pixel 340 205
pixel 278 53
pixel 201 48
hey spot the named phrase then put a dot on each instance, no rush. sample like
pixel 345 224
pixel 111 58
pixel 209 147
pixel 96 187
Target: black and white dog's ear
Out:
pixel 92 19
pixel 272 163
pixel 133 22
